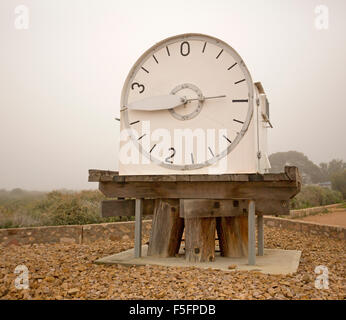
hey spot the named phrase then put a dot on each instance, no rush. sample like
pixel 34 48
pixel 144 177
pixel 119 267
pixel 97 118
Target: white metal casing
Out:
pixel 248 156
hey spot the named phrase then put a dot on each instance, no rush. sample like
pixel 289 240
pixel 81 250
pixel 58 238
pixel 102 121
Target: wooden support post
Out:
pixel 233 236
pixel 167 229
pixel 260 235
pixel 138 227
pixel 200 239
pixel 251 234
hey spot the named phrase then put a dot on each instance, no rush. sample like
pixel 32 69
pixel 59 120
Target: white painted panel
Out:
pixel 211 68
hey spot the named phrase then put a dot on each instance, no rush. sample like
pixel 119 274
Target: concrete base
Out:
pixel 274 261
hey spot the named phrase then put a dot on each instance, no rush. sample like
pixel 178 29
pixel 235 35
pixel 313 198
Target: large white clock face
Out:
pixel 216 93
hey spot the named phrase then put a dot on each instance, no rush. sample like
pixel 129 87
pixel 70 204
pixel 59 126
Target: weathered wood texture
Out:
pixel 205 208
pixel 167 229
pixel 233 236
pixel 200 190
pixel 278 188
pixel 196 207
pixel 259 191
pixel 200 239
pixel 290 174
pixel 116 208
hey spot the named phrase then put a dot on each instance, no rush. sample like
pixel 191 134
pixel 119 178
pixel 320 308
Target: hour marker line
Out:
pixel 152 148
pixel 134 122
pixel 145 70
pixel 219 54
pixel 211 151
pixel 141 136
pixel 239 81
pixel 227 139
pixel 240 100
pixel 204 46
pixel 155 59
pixel 192 158
pixel 231 66
pixel 238 121
pixel 168 51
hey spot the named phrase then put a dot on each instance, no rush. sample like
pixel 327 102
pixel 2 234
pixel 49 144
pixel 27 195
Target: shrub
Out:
pixel 313 196
pixel 339 182
pixel 53 208
pixel 66 208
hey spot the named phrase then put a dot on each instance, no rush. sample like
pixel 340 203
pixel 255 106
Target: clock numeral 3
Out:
pixel 171 156
pixel 185 48
pixel 140 86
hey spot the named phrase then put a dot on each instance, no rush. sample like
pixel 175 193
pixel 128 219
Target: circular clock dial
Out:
pixel 216 93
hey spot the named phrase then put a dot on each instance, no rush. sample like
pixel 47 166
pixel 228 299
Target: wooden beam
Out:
pixel 125 208
pixel 205 208
pixel 273 206
pixel 200 239
pixel 264 190
pixel 196 208
pixel 166 230
pixel 233 236
pixel 290 174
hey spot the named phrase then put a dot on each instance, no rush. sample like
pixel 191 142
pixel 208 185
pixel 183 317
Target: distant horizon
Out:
pixel 96 184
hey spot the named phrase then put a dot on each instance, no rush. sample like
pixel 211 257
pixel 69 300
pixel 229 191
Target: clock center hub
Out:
pixel 189 109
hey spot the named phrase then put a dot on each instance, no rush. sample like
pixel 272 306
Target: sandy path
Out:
pixel 334 218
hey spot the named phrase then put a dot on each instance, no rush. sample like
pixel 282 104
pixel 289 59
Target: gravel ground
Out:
pixel 61 271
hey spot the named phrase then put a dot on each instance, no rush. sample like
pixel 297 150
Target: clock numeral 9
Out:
pixel 171 156
pixel 185 52
pixel 140 86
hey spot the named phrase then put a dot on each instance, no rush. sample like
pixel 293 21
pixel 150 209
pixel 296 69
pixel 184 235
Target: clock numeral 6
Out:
pixel 171 156
pixel 185 48
pixel 140 86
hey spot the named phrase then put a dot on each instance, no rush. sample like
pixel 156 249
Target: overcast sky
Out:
pixel 61 78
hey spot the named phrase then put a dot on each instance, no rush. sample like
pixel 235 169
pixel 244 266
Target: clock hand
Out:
pixel 205 98
pixel 162 102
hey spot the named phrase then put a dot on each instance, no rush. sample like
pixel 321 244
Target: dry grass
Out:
pixel 27 209
pixel 19 208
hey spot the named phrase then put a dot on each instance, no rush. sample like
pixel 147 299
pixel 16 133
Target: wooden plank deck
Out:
pixel 290 174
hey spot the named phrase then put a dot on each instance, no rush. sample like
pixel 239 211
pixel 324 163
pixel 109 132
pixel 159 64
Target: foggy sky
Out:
pixel 61 79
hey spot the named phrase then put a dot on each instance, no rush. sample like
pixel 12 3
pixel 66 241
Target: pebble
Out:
pixel 66 271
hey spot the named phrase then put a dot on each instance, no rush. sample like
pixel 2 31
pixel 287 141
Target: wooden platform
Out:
pixel 290 174
pixel 202 204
